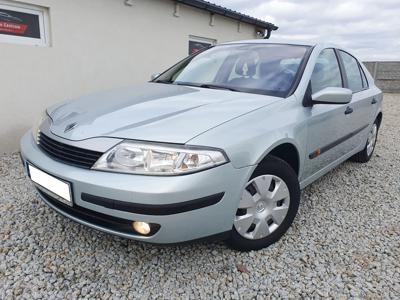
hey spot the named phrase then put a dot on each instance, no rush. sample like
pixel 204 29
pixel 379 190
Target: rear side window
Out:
pixel 353 72
pixel 326 71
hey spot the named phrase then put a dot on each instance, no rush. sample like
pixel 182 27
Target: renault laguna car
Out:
pixel 219 145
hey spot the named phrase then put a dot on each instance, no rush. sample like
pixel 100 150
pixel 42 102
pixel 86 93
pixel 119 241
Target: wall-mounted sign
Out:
pixel 19 24
pixel 195 46
pixel 24 24
pixel 197 43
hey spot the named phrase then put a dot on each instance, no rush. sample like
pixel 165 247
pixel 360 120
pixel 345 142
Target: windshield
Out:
pixel 268 69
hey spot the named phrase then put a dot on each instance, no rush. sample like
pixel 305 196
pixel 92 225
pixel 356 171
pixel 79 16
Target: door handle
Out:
pixel 348 110
pixel 374 101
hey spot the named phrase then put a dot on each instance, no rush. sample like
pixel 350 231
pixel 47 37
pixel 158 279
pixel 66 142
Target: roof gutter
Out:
pixel 219 10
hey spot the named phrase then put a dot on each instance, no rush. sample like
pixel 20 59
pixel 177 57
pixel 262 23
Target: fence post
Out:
pixel 375 69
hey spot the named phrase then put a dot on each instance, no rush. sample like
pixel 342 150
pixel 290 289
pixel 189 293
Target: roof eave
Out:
pixel 219 10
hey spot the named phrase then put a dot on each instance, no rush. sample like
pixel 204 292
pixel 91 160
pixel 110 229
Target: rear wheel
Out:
pixel 267 207
pixel 365 155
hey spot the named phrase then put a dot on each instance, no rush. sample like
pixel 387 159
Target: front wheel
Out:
pixel 268 206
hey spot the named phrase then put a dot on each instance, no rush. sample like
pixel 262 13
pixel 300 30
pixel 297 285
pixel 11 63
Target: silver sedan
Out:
pixel 218 146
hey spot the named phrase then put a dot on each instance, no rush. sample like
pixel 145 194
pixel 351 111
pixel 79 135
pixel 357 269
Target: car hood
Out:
pixel 151 112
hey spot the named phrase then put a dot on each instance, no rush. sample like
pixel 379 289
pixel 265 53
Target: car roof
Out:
pixel 318 45
pixel 283 42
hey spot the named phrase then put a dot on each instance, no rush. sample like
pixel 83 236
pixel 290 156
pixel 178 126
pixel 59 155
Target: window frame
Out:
pixel 44 24
pixel 359 70
pixel 363 76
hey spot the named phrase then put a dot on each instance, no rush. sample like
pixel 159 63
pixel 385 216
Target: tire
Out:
pixel 270 221
pixel 365 155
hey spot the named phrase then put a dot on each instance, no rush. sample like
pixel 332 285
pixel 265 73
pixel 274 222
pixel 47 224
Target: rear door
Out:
pixel 326 122
pixel 362 103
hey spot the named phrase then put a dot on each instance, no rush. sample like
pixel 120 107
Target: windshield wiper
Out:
pixel 216 86
pixel 163 81
pixel 206 85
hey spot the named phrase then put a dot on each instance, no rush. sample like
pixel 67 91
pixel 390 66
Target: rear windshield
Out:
pixel 268 69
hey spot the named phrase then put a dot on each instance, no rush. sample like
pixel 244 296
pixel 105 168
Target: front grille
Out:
pixel 68 154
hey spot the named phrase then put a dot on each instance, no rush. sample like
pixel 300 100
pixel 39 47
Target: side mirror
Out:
pixel 332 95
pixel 154 76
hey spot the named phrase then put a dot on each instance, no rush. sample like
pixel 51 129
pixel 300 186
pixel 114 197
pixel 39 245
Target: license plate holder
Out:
pixel 59 189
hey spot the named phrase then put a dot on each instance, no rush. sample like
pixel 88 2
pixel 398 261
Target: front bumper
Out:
pixel 150 192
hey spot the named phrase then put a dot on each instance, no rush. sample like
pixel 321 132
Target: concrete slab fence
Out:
pixel 386 75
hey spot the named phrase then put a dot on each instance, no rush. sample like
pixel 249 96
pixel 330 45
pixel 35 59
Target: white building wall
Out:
pixel 97 45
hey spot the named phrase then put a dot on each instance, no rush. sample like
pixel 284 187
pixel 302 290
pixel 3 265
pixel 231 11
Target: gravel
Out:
pixel 345 243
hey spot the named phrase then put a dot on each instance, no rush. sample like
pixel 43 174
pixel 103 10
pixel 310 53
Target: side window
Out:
pixel 326 71
pixel 352 71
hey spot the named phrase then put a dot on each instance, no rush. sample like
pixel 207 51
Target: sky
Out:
pixel 370 28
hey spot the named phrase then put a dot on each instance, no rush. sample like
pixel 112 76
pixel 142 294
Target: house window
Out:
pixel 197 43
pixel 23 24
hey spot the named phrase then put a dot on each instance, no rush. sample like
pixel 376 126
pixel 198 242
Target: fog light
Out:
pixel 141 227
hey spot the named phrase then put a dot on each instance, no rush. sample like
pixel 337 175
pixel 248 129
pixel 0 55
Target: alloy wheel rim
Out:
pixel 263 207
pixel 371 139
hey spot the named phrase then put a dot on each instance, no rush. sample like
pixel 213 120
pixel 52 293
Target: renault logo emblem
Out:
pixel 70 127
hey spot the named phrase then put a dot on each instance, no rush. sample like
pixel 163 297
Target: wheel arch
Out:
pixel 379 119
pixel 287 151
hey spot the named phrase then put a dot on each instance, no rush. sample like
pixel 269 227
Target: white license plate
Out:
pixel 52 184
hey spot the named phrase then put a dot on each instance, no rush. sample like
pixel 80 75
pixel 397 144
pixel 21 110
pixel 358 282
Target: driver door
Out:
pixel 327 123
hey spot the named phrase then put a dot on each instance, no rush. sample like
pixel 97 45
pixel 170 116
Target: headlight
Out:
pixel 36 126
pixel 154 159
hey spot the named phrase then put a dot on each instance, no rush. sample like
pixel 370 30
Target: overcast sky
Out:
pixel 371 28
